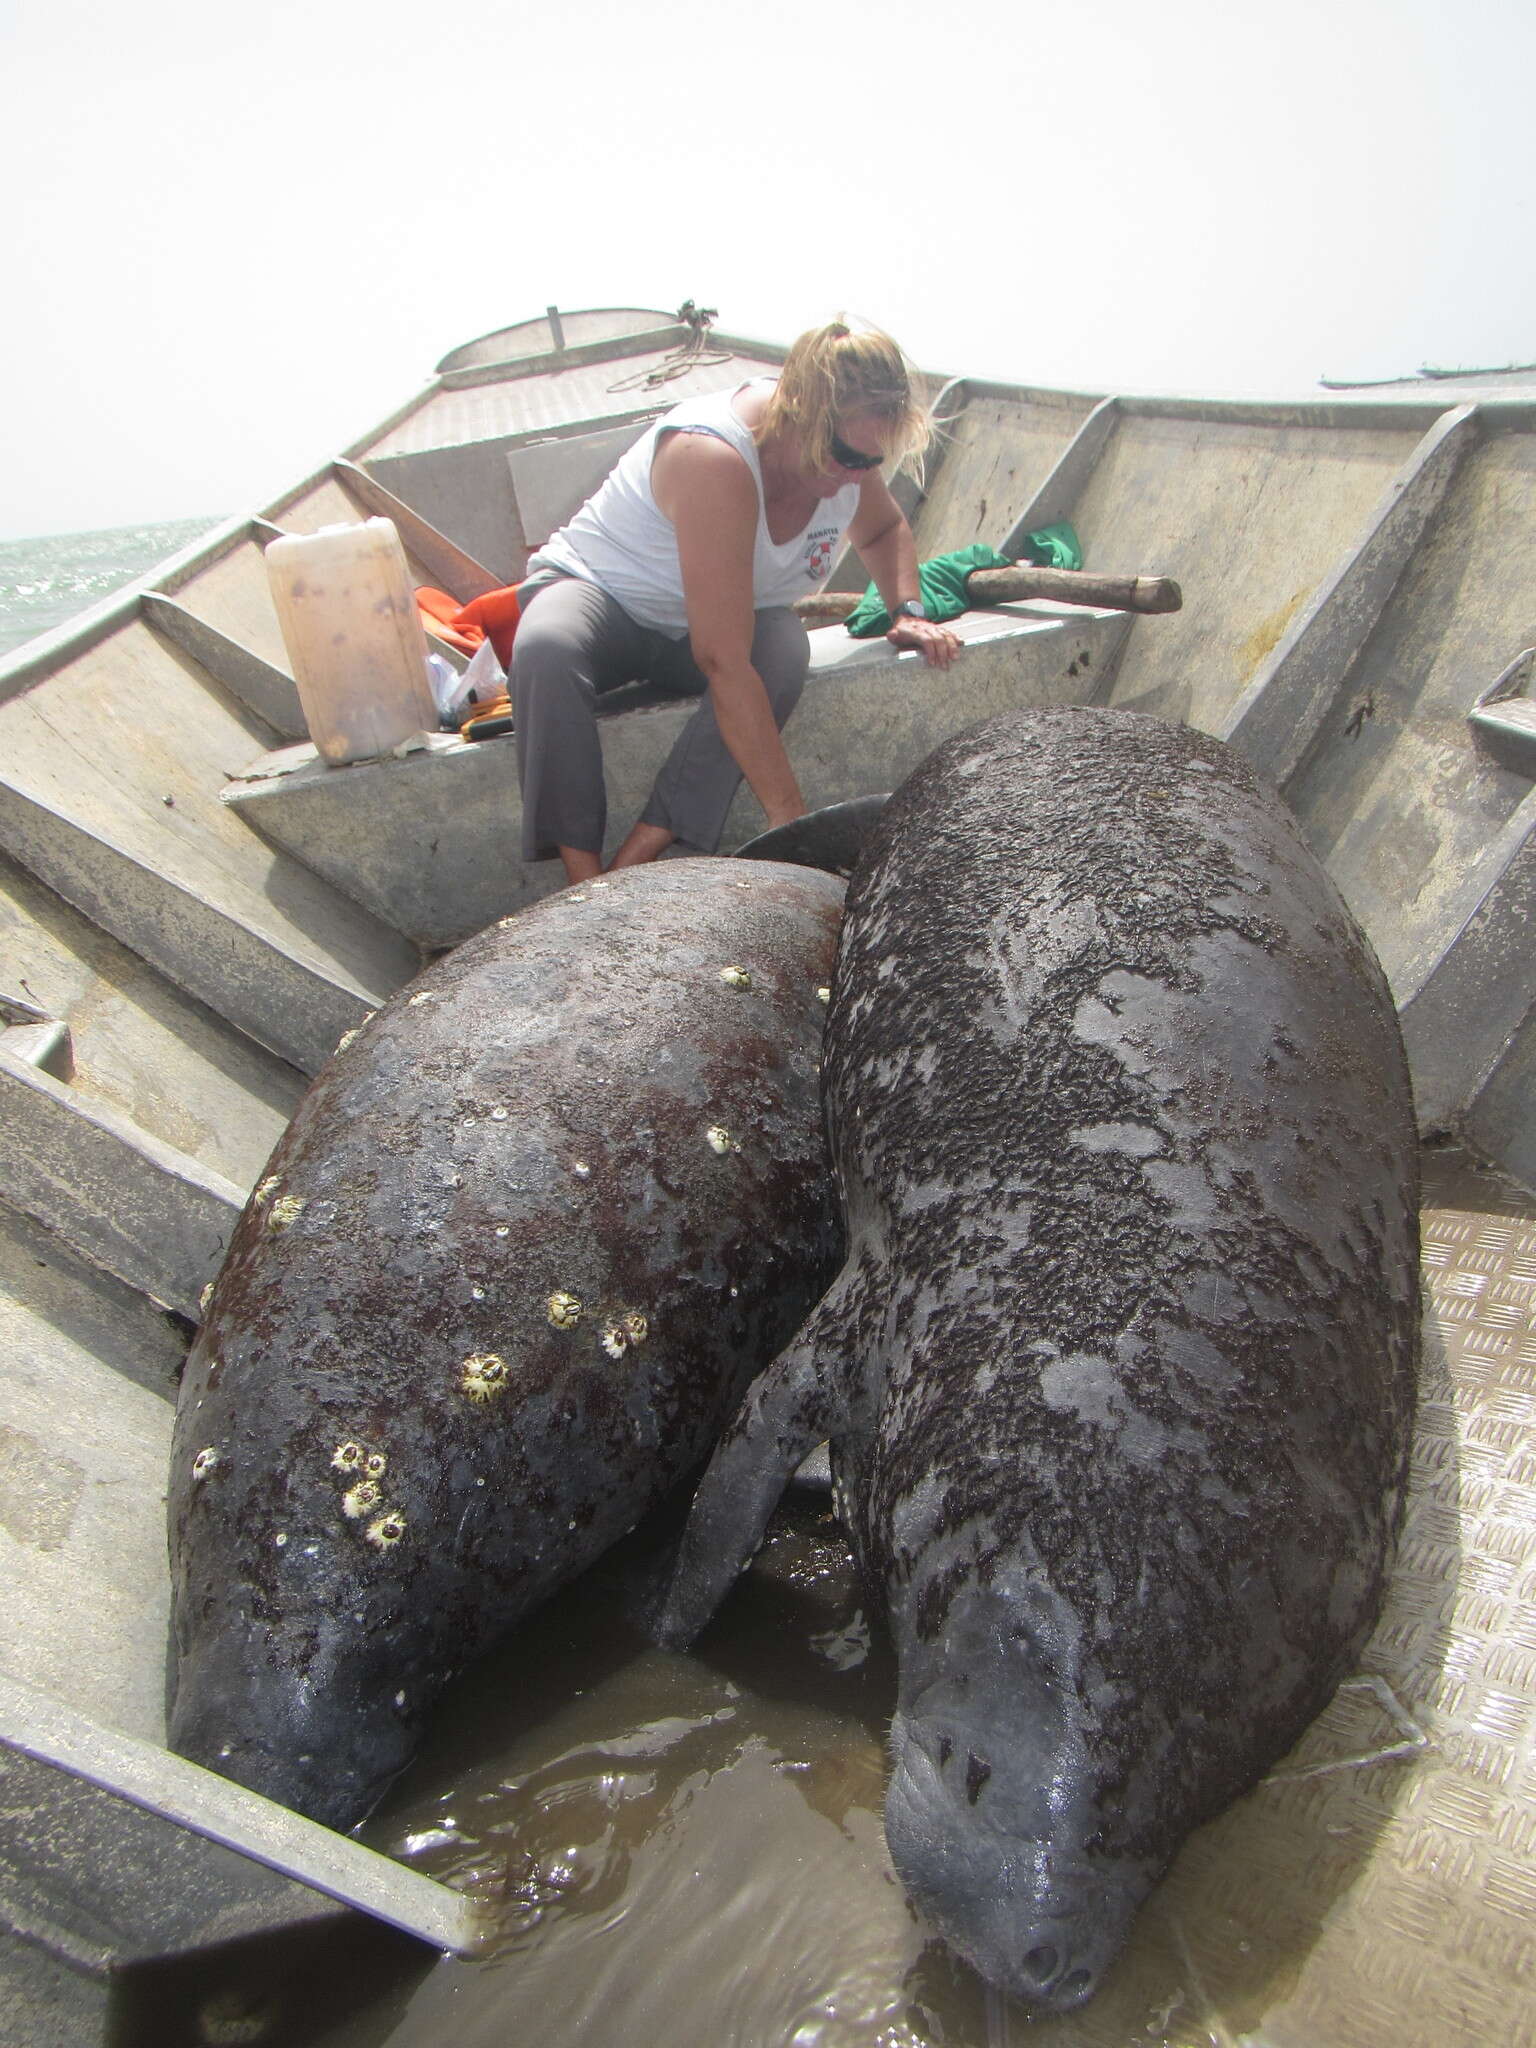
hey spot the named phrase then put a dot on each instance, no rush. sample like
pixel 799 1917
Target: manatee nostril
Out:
pixel 976 1775
pixel 1041 1963
pixel 1077 1985
pixel 946 1750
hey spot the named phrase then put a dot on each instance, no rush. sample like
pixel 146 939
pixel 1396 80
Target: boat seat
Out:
pixel 430 842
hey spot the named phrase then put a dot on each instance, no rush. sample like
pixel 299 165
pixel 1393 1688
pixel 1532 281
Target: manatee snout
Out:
pixel 998 1871
pixel 321 1751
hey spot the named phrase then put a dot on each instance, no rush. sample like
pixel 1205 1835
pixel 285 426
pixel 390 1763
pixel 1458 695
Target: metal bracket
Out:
pixel 38 1040
pixel 1505 718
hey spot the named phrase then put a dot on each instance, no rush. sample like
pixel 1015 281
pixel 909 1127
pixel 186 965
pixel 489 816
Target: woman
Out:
pixel 682 569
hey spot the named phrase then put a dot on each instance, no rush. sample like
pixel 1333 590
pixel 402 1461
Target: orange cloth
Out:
pixel 492 617
pixel 438 612
pixel 495 618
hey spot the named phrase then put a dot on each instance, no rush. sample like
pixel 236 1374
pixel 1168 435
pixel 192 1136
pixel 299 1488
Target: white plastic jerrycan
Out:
pixel 354 638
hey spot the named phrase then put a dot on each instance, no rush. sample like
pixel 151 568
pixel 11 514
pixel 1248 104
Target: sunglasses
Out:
pixel 851 458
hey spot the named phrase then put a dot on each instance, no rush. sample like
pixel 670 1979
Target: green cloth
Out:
pixel 942 581
pixel 1052 547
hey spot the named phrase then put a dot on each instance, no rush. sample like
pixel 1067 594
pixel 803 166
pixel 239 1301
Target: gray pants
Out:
pixel 573 644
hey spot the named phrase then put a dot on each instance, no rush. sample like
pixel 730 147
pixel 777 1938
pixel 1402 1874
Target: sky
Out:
pixel 237 238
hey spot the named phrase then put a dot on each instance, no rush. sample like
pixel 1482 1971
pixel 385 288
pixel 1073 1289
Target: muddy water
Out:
pixel 687 1850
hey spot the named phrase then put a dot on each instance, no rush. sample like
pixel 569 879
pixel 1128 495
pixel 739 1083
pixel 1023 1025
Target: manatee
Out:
pixel 1119 1373
pixel 530 1235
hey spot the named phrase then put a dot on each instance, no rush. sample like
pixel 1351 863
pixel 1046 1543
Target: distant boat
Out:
pixel 196 910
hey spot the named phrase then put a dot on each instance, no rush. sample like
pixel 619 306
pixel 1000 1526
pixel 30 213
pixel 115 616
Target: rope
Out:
pixel 694 354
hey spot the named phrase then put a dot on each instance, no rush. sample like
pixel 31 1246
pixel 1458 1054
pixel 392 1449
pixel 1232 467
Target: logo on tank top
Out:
pixel 818 559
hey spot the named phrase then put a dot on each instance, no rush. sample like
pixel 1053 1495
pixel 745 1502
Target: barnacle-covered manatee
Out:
pixel 1119 1373
pixel 493 1297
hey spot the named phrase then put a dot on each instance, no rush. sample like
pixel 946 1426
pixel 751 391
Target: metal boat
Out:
pixel 196 908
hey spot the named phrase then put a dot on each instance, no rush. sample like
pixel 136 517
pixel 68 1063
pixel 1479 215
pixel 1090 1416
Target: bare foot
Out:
pixel 580 866
pixel 645 842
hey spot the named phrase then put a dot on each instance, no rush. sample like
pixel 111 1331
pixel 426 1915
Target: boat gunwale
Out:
pixel 43 656
pixel 1412 409
pixel 446 363
pixel 581 354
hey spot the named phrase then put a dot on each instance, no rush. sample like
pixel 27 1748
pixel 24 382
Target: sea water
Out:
pixel 688 1851
pixel 43 582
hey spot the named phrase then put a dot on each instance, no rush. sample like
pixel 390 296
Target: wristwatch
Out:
pixel 910 608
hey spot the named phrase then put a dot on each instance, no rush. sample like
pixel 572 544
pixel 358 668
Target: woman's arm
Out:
pixel 885 545
pixel 707 492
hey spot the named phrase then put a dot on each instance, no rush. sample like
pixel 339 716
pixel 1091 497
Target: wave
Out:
pixel 46 581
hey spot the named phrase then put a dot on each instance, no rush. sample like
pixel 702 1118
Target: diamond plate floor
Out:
pixel 1379 1891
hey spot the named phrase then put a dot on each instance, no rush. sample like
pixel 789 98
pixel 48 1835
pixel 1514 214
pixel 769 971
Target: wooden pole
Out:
pixel 1008 586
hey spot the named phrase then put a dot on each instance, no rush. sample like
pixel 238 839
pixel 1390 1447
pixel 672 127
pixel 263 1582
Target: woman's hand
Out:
pixel 885 545
pixel 935 643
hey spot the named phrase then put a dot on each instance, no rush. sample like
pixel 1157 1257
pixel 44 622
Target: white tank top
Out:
pixel 622 541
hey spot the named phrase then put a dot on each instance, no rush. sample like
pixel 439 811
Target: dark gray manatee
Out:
pixel 524 1246
pixel 1120 1371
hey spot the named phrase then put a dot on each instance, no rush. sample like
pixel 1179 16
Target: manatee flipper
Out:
pixel 831 839
pixel 789 1409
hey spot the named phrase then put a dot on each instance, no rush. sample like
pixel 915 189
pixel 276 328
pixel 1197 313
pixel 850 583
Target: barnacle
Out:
pixel 483 1376
pixel 285 1211
pixel 564 1310
pixel 348 1456
pixel 232 2017
pixel 581 1169
pixel 636 1326
pixel 425 995
pixel 387 1531
pixel 267 1189
pixel 362 1500
pixel 615 1341
pixel 377 1464
pixel 346 1039
pixel 204 1462
pixel 204 1298
pixel 738 977
pixel 823 994
pixel 720 1139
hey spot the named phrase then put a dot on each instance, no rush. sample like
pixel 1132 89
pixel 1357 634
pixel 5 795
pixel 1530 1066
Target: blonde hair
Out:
pixel 835 372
